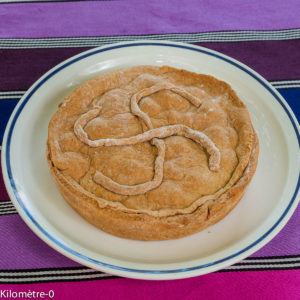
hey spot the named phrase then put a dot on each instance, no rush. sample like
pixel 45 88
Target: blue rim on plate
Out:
pixel 124 45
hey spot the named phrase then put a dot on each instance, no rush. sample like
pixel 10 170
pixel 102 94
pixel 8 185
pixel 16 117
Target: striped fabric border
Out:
pixel 217 36
pixel 85 273
pixel 11 95
pixel 52 275
pixel 286 84
pixel 278 84
pixel 7 208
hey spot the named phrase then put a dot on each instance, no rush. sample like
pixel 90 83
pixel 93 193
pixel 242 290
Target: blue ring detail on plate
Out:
pixel 114 267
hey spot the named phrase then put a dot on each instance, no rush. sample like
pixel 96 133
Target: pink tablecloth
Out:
pixel 37 35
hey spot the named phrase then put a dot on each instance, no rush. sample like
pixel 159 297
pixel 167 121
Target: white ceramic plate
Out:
pixel 267 205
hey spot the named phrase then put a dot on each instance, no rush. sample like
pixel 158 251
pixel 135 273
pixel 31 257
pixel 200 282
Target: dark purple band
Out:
pixel 20 68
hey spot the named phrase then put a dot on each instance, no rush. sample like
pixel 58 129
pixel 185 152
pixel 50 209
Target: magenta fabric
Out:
pixel 275 285
pixel 93 18
pixel 27 264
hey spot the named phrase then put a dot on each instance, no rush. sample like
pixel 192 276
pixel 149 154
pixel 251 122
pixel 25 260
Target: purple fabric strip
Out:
pixel 286 242
pixel 20 248
pixel 140 17
pixel 276 60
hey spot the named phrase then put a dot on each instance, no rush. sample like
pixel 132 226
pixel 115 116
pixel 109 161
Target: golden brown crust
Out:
pixel 204 197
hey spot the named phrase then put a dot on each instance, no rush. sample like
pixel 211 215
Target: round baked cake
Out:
pixel 152 153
